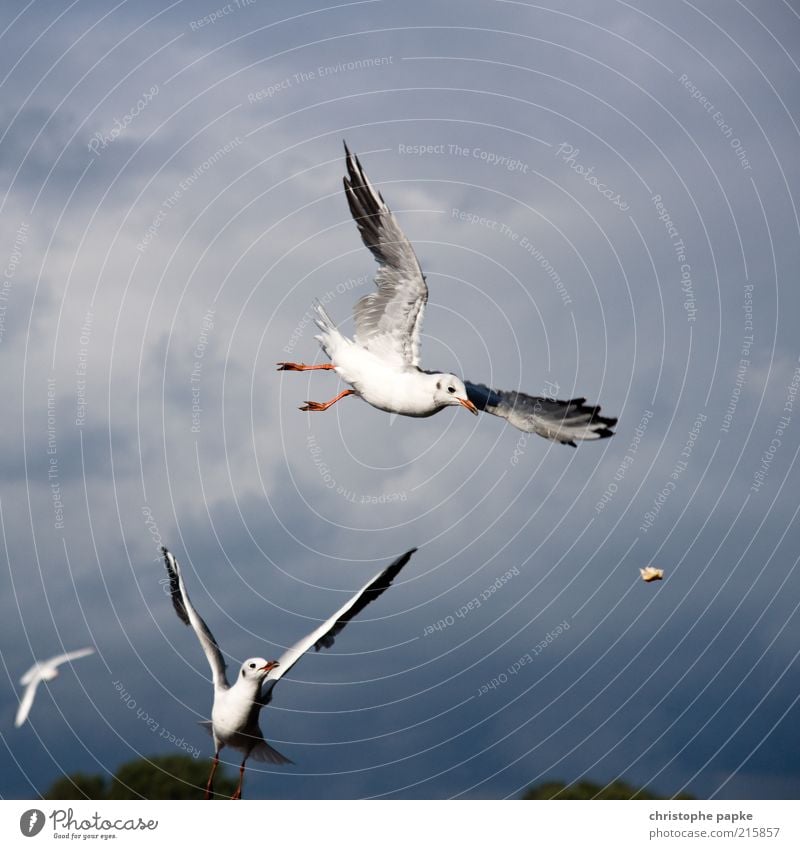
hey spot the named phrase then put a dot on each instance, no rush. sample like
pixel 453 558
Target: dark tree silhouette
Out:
pixel 158 777
pixel 79 785
pixel 590 790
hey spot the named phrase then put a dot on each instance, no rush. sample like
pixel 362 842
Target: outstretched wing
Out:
pixel 27 700
pixel 70 655
pixel 324 635
pixel 31 674
pixel 189 616
pixel 563 421
pixel 389 321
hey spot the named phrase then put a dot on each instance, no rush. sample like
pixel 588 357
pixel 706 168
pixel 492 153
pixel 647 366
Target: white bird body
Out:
pixel 389 386
pixel 381 362
pixel 234 720
pixel 42 670
pixel 233 717
pixel 236 708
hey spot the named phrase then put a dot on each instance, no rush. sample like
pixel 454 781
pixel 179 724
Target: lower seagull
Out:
pixel 236 709
pixel 43 670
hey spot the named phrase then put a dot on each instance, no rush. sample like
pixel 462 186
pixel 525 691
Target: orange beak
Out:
pixel 272 664
pixel 465 402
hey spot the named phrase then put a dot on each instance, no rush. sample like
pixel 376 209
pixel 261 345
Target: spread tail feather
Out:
pixel 329 337
pixel 264 752
pixel 323 320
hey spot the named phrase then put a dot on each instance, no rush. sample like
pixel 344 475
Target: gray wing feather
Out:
pixel 189 616
pixel 562 421
pixel 323 636
pixel 389 321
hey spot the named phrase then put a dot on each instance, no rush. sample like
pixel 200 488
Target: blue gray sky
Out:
pixel 604 200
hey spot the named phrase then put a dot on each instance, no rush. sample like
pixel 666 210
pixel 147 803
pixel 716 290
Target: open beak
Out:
pixel 269 666
pixel 465 402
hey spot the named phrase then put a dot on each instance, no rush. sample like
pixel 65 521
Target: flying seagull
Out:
pixel 43 670
pixel 234 715
pixel 381 362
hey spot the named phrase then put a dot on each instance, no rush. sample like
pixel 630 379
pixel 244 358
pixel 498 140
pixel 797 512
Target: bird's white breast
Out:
pixel 389 387
pixel 234 712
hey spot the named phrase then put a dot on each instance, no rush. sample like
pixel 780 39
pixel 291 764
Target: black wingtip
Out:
pixel 175 586
pixel 382 582
pixel 390 573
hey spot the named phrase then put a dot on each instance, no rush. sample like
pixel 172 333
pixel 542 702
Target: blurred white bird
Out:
pixel 43 670
pixel 381 363
pixel 236 708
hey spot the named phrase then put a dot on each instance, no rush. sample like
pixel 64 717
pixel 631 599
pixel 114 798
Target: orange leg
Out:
pixel 238 792
pixel 210 785
pixel 303 367
pixel 316 407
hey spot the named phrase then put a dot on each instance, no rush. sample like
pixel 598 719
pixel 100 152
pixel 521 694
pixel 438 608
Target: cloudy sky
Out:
pixel 604 200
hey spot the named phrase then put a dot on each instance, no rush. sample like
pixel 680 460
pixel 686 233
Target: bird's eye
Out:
pixel 252 666
pixel 451 389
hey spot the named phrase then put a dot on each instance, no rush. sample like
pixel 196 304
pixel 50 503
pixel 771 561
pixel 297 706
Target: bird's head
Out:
pixel 449 390
pixel 256 668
